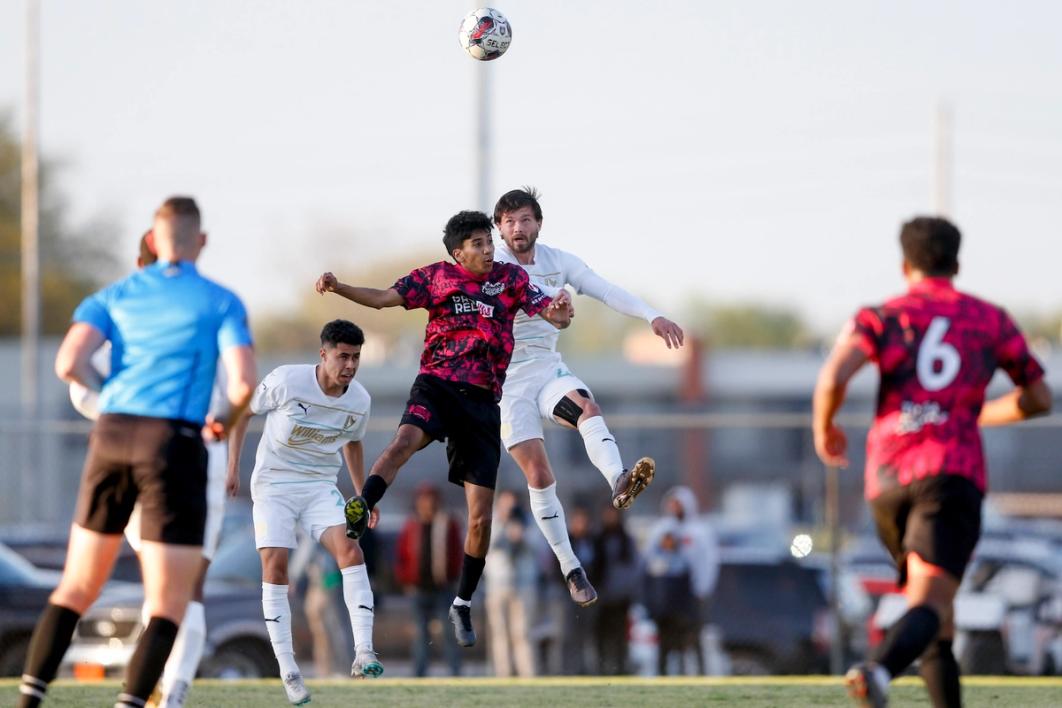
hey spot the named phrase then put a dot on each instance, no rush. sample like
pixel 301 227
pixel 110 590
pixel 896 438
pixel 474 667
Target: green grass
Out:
pixel 765 692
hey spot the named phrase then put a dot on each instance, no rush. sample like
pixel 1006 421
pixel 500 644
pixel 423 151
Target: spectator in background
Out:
pixel 698 546
pixel 667 591
pixel 428 562
pixel 615 567
pixel 511 573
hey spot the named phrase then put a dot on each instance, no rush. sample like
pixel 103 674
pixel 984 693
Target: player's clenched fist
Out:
pixel 327 283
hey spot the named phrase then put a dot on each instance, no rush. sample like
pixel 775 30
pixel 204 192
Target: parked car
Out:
pixel 24 591
pixel 1008 613
pixel 770 610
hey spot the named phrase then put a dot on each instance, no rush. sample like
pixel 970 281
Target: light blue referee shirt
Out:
pixel 167 326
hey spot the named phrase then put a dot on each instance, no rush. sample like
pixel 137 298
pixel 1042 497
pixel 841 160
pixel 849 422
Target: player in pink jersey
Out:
pixel 468 342
pixel 936 349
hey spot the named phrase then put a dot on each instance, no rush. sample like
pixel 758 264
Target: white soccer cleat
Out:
pixel 296 689
pixel 366 665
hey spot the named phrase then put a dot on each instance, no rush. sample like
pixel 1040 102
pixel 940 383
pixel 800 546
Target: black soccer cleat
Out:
pixel 357 513
pixel 582 592
pixel 863 686
pixel 461 619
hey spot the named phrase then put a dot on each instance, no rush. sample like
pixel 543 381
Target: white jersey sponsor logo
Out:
pixel 304 428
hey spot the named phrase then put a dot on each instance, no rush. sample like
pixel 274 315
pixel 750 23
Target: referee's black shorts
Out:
pixel 160 463
pixel 937 517
pixel 468 418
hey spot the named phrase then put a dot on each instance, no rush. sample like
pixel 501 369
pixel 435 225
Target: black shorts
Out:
pixel 938 517
pixel 468 418
pixel 160 463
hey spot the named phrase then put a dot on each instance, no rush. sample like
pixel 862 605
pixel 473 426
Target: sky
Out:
pixel 731 151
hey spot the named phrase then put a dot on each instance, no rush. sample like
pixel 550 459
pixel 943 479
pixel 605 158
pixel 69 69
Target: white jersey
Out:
pixel 552 270
pixel 304 428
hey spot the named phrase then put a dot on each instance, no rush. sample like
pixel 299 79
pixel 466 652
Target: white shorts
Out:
pixel 533 388
pixel 217 464
pixel 278 507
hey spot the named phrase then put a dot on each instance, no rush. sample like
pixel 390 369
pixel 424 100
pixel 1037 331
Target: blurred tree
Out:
pixel 747 325
pixel 73 262
pixel 1044 326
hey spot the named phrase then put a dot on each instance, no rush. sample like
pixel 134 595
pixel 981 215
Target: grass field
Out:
pixel 765 692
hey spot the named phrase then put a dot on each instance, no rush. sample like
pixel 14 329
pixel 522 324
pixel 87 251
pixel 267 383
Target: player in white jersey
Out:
pixel 314 414
pixel 540 387
pixel 183 662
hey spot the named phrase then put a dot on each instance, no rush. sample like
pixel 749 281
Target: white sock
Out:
pixel 187 649
pixel 549 515
pixel 358 595
pixel 601 448
pixel 462 603
pixel 277 613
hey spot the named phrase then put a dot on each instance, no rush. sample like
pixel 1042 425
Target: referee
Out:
pixel 167 326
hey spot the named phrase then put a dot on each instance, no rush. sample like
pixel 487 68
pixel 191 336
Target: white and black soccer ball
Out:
pixel 485 34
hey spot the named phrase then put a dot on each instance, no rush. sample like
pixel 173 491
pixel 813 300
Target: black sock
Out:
pixel 908 638
pixel 471 570
pixel 940 671
pixel 145 667
pixel 373 491
pixel 51 638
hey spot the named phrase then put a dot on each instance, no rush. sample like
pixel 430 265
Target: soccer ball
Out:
pixel 485 34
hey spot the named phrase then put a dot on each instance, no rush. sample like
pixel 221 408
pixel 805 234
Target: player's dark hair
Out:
pixel 342 332
pixel 461 226
pixel 516 199
pixel 931 244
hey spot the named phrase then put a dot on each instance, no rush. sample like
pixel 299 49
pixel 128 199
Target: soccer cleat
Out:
pixel 356 512
pixel 633 482
pixel 366 665
pixel 296 689
pixel 177 695
pixel 582 592
pixel 864 688
pixel 461 618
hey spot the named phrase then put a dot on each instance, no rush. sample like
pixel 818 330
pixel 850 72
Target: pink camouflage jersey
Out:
pixel 469 335
pixel 937 349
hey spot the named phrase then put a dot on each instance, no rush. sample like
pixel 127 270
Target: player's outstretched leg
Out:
pixel 480 501
pixel 549 515
pixel 530 456
pixel 633 482
pixel 277 612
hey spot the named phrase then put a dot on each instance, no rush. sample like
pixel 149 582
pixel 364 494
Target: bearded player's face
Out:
pixel 519 229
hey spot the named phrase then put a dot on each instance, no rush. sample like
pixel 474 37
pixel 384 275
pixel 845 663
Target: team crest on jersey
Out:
pixel 348 422
pixel 492 289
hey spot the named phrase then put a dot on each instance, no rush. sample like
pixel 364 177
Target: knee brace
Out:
pixel 568 410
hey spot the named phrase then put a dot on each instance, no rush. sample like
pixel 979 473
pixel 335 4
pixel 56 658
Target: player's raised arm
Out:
pixel 844 361
pixel 587 282
pixel 369 297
